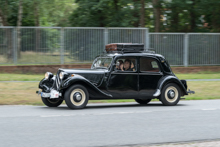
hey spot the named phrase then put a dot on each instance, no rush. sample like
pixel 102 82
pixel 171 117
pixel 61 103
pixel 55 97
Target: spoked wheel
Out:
pixel 76 97
pixel 170 95
pixel 143 102
pixel 52 102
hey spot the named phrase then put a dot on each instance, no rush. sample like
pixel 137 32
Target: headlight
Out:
pixel 62 75
pixel 48 75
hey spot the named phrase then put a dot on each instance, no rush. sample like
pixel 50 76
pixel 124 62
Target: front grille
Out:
pixel 57 81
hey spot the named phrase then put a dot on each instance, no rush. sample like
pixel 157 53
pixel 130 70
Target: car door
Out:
pixel 124 84
pixel 149 76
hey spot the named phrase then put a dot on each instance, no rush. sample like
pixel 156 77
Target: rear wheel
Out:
pixel 76 97
pixel 170 94
pixel 143 102
pixel 51 102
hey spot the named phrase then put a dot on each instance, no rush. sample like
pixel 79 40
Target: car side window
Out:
pixel 149 65
pixel 126 64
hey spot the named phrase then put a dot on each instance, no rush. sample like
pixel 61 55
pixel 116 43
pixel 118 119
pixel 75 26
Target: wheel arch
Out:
pixel 172 79
pixel 92 89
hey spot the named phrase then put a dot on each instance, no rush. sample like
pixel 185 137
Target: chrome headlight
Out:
pixel 62 75
pixel 48 75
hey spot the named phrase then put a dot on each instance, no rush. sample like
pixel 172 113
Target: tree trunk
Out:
pixel 142 20
pixel 3 19
pixel 156 15
pixel 37 23
pixel 192 17
pixel 19 23
pixel 136 13
pixel 8 31
pixel 36 13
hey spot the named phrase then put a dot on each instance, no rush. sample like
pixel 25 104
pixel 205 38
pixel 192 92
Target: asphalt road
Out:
pixel 109 124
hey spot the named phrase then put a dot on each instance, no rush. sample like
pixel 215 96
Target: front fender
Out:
pixel 171 79
pixel 80 79
pixel 46 84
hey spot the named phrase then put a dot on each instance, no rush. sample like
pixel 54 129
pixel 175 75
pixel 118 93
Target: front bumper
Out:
pixel 53 94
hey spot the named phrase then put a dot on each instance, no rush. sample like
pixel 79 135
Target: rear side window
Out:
pixel 149 65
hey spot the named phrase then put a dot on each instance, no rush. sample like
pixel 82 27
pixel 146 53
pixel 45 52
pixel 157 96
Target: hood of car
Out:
pixel 93 75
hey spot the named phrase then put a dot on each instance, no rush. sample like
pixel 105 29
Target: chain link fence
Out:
pixel 56 45
pixel 187 49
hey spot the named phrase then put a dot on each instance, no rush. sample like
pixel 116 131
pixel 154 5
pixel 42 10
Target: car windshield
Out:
pixel 102 62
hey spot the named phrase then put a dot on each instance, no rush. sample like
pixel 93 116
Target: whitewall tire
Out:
pixel 170 94
pixel 76 97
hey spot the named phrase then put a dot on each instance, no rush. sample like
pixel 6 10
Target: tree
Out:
pixel 19 23
pixel 142 19
pixel 156 6
pixel 106 13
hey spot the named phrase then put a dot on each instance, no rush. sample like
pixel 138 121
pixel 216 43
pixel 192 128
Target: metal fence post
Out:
pixel 62 45
pixel 147 37
pixel 186 48
pixel 105 38
pixel 14 36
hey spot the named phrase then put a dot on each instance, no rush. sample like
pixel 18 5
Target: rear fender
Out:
pixel 172 79
pixel 77 79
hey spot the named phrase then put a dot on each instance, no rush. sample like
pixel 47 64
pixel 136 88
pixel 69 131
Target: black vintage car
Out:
pixel 126 71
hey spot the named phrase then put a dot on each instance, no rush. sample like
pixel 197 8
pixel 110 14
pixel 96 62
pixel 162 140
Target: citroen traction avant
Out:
pixel 147 77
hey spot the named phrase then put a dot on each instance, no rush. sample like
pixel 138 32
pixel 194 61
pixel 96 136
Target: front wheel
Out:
pixel 143 102
pixel 51 102
pixel 76 97
pixel 170 94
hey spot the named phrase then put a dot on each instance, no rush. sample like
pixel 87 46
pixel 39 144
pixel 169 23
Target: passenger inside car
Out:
pixel 126 65
pixel 120 64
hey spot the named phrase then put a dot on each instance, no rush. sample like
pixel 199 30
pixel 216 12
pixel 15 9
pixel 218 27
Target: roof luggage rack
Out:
pixel 126 48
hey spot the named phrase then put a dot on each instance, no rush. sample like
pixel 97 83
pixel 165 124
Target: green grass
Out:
pixel 199 76
pixel 20 93
pixel 20 77
pixel 31 58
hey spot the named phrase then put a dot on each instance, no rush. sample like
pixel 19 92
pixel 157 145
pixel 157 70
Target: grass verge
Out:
pixel 24 93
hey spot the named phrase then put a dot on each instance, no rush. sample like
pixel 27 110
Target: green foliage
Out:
pixel 176 15
pixel 106 13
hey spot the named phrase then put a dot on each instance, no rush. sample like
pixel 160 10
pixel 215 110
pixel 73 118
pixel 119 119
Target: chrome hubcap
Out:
pixel 171 94
pixel 78 97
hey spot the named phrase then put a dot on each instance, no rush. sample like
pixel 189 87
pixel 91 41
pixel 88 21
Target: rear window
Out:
pixel 149 65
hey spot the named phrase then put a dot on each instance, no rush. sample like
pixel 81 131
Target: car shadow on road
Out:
pixel 103 106
pixel 127 106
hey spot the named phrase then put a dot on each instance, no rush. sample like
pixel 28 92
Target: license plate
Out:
pixel 46 95
pixel 54 94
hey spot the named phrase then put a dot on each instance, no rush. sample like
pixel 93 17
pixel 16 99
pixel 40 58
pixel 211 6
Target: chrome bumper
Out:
pixel 53 94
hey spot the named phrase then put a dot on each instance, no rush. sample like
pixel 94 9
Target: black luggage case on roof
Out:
pixel 124 47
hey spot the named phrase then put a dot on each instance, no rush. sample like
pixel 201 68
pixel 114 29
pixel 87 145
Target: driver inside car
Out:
pixel 127 65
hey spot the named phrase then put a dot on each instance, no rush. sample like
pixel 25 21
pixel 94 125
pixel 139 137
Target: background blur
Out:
pixel 85 26
pixel 43 35
pixel 157 15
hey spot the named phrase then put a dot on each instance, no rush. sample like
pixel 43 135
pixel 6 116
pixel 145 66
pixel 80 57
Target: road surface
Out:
pixel 124 124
